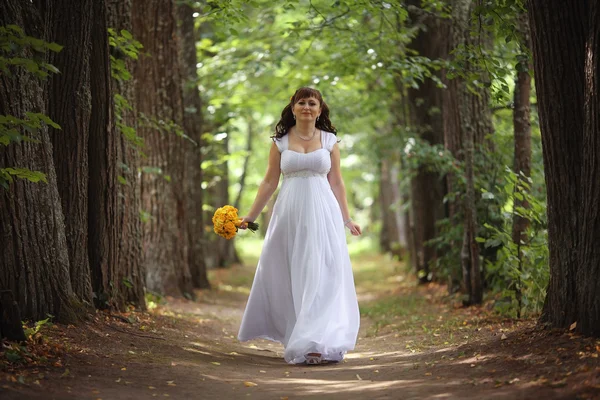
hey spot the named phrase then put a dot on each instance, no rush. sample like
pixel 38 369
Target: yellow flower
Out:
pixel 225 221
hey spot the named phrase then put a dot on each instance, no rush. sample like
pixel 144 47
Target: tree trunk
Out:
pixel 34 263
pixel 194 126
pixel 70 106
pixel 104 227
pixel 567 69
pixel 427 187
pixel 226 254
pixel 467 122
pixel 238 197
pixel 522 149
pixel 389 239
pixel 130 271
pixel 159 98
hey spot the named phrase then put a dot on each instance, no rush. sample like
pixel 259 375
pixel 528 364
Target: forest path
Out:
pixel 413 344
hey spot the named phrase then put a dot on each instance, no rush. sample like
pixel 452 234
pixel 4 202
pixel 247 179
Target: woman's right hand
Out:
pixel 244 222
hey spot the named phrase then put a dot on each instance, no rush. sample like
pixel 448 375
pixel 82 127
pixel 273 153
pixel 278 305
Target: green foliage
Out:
pixel 123 46
pixel 421 155
pixel 520 273
pixel 7 174
pixel 498 48
pixel 164 127
pixel 30 332
pixel 22 51
pixel 18 50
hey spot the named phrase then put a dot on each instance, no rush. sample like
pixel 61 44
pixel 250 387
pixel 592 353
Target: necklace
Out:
pixel 304 138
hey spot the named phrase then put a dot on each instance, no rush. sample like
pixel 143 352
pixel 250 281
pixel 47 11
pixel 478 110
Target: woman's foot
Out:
pixel 313 358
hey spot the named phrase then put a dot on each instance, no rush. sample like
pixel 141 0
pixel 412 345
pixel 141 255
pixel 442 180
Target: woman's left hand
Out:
pixel 354 228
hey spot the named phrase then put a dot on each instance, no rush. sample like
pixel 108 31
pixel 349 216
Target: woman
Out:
pixel 303 293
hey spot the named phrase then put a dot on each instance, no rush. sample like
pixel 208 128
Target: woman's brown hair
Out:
pixel 287 117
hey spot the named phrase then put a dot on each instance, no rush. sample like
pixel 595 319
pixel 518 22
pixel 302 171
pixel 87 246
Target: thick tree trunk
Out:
pixel 467 122
pixel 104 229
pixel 566 49
pixel 427 187
pixel 159 98
pixel 70 106
pixel 34 262
pixel 522 148
pixel 130 229
pixel 193 124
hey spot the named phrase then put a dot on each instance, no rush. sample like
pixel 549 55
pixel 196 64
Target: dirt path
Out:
pixel 413 344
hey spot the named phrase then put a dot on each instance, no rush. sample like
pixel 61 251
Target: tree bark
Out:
pixel 102 189
pixel 34 263
pixel 159 98
pixel 389 239
pixel 194 127
pixel 467 123
pixel 119 14
pixel 238 197
pixel 427 187
pixel 566 49
pixel 225 254
pixel 70 106
pixel 522 148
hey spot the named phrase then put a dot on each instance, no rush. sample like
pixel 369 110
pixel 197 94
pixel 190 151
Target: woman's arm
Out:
pixel 339 189
pixel 267 186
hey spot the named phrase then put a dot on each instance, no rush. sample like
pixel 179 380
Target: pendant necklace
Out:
pixel 305 139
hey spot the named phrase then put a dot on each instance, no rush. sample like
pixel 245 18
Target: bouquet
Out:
pixel 226 222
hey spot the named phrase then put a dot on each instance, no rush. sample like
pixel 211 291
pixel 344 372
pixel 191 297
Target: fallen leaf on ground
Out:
pixel 216 363
pixel 151 387
pixel 573 326
pixel 558 384
pixel 503 337
pixel 250 384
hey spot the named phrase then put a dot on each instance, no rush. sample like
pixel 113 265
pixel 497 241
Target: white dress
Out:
pixel 303 292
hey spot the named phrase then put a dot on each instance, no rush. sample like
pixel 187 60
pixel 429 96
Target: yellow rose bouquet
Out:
pixel 226 222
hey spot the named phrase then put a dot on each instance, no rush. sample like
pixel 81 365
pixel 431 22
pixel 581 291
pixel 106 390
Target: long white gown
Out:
pixel 303 293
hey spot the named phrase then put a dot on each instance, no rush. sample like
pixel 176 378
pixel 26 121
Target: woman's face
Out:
pixel 307 109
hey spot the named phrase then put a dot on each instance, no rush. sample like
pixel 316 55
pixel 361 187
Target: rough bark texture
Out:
pixel 34 262
pixel 102 189
pixel 466 131
pixel 159 97
pixel 427 187
pixel 193 125
pixel 130 228
pixel 566 49
pixel 522 148
pixel 70 106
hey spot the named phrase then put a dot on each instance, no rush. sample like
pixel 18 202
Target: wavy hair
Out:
pixel 287 117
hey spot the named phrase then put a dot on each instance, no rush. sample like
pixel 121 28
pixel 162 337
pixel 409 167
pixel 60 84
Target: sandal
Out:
pixel 313 358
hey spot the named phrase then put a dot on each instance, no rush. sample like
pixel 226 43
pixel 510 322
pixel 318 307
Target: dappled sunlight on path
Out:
pixel 414 343
pixel 400 355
